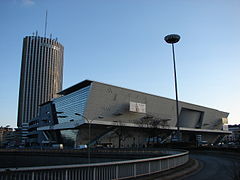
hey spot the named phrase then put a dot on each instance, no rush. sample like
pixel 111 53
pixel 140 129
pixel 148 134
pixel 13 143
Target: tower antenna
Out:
pixel 45 30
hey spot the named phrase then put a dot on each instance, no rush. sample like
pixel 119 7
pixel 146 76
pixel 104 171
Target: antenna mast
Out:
pixel 45 30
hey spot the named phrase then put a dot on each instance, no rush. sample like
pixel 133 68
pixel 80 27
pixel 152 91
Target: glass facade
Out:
pixel 68 105
pixel 69 137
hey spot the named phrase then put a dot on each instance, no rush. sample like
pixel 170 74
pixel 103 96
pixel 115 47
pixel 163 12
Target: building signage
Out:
pixel 225 120
pixel 137 107
pixel 50 46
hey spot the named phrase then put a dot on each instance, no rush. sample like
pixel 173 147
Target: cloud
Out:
pixel 28 2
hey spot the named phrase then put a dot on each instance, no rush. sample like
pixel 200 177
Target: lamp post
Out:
pixel 89 134
pixel 172 39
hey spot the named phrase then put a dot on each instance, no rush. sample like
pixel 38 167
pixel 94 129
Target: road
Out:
pixel 216 166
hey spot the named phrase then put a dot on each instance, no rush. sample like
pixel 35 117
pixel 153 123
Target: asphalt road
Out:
pixel 219 166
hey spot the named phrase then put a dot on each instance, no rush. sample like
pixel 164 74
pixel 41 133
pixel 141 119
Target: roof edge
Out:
pixel 75 87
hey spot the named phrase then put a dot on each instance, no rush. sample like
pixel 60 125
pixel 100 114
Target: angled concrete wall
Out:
pixel 112 104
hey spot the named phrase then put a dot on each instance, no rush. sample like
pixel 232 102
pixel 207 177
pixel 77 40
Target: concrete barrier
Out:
pixel 100 171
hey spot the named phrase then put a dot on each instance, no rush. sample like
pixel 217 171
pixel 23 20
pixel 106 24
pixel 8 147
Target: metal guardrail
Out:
pixel 99 171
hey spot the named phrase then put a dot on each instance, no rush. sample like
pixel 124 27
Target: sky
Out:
pixel 121 42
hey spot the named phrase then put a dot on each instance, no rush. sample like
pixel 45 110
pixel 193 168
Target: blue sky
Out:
pixel 120 42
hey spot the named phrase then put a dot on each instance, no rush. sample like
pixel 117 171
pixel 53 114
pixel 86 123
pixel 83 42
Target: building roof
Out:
pixel 75 87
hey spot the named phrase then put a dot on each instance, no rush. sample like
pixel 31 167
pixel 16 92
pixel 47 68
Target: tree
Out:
pixel 121 133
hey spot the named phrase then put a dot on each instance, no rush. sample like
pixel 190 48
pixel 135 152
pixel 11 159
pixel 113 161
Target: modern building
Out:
pixel 41 75
pixel 47 117
pixel 98 114
pixel 4 135
pixel 234 137
pixel 10 137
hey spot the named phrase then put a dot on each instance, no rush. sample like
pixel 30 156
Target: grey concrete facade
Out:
pixel 105 110
pixel 112 102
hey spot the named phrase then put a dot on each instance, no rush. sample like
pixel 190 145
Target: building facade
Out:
pixel 121 117
pixel 5 133
pixel 233 138
pixel 41 75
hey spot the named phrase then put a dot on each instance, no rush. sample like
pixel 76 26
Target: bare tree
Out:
pixel 151 122
pixel 121 132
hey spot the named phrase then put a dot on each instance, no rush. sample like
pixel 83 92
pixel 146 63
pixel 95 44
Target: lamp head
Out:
pixel 172 38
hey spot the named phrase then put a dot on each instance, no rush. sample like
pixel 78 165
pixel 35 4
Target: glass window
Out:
pixel 68 105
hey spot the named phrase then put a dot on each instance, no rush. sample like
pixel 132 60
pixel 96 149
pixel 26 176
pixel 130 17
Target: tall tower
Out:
pixel 41 75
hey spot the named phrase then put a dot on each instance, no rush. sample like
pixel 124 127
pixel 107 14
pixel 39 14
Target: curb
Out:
pixel 181 172
pixel 195 168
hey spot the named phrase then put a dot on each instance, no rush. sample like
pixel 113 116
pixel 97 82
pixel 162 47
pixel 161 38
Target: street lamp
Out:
pixel 172 39
pixel 89 134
